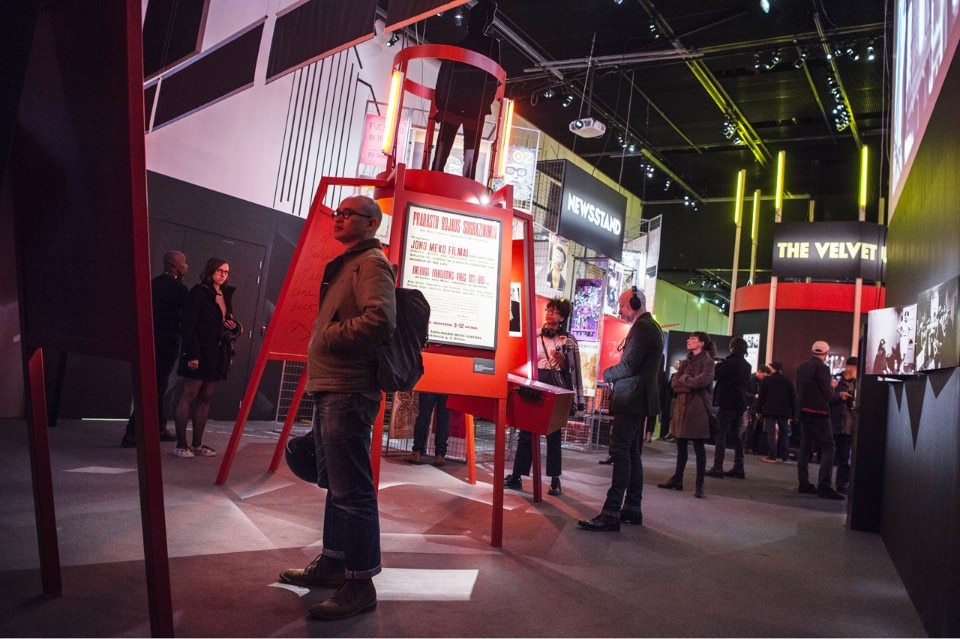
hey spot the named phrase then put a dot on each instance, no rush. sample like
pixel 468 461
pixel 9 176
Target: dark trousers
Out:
pixel 778 437
pixel 166 359
pixel 524 457
pixel 844 443
pixel 421 428
pixel 728 422
pixel 626 446
pixel 816 431
pixel 699 451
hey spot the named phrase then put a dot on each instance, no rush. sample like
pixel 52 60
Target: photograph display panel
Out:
pixel 454 259
pixel 587 306
pixel 937 326
pixel 891 341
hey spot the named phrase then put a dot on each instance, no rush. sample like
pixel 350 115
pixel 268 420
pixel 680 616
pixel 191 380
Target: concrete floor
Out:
pixel 752 559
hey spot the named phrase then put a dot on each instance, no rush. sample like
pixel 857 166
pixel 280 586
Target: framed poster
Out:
pixel 587 306
pixel 611 304
pixel 937 326
pixel 454 259
pixel 891 341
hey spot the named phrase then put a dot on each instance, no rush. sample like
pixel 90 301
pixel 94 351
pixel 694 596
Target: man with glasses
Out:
pixel 357 314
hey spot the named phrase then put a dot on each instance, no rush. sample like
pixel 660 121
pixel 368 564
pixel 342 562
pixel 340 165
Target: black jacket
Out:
pixel 813 387
pixel 732 377
pixel 203 335
pixel 777 397
pixel 634 378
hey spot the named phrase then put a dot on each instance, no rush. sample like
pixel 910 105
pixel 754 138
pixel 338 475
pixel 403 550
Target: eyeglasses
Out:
pixel 346 214
pixel 223 271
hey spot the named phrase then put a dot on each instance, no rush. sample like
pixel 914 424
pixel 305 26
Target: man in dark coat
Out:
pixel 814 391
pixel 732 377
pixel 777 408
pixel 635 396
pixel 168 292
pixel 464 92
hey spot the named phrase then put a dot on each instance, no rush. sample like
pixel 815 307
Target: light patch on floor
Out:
pixel 435 544
pixel 412 584
pixel 101 470
pixel 297 590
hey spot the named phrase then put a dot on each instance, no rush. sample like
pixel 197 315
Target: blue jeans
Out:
pixel 421 428
pixel 626 446
pixel 778 447
pixel 351 520
pixel 816 428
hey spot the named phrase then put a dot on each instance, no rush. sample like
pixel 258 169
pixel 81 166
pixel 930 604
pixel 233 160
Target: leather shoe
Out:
pixel 736 474
pixel 671 483
pixel 698 493
pixel 606 461
pixel 631 517
pixel 413 457
pixel 599 523
pixel 439 460
pixel 555 487
pixel 167 436
pixel 807 489
pixel 715 472
pixel 513 482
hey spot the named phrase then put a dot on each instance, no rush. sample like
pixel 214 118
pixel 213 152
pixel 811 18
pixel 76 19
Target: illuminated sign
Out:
pixel 830 250
pixel 591 213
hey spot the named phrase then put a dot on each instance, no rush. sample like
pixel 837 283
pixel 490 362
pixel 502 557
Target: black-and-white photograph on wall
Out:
pixel 891 341
pixel 516 329
pixel 937 326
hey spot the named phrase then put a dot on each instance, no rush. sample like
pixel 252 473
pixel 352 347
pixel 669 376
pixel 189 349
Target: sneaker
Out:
pixel 770 460
pixel 513 482
pixel 184 453
pixel 204 451
pixel 555 488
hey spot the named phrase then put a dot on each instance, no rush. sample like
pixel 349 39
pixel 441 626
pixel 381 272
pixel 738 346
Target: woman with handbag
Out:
pixel 558 364
pixel 693 384
pixel 208 331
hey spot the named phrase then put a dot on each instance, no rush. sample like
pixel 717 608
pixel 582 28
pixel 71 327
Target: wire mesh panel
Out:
pixel 303 421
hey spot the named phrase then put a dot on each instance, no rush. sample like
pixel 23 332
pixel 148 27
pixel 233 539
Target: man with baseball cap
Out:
pixel 814 392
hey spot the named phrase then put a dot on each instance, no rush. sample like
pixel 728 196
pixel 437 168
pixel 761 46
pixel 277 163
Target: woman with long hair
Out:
pixel 208 331
pixel 690 422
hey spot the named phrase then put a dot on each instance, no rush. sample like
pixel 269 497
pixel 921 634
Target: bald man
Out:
pixel 168 293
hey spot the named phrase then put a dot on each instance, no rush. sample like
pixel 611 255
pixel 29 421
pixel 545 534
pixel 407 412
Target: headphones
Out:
pixel 635 302
pixel 551 332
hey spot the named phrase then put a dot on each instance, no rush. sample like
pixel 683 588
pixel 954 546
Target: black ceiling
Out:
pixel 623 63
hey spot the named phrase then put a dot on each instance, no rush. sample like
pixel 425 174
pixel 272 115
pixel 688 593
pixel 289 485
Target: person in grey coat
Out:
pixel 693 384
pixel 635 396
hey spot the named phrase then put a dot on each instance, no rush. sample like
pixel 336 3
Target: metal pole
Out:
pixel 738 220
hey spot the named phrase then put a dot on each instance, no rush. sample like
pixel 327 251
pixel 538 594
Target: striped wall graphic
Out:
pixel 322 111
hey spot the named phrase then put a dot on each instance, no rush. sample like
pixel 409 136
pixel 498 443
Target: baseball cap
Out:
pixel 820 347
pixel 853 361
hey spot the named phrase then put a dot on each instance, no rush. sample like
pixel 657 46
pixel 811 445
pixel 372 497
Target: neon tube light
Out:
pixel 393 113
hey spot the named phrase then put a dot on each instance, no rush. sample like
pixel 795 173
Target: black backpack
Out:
pixel 399 361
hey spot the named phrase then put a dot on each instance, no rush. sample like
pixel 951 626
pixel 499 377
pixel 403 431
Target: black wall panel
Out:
pixel 172 31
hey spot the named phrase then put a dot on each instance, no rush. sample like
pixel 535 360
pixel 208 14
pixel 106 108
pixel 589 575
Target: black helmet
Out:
pixel 301 456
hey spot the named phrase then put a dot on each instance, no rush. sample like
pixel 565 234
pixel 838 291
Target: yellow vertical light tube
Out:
pixel 503 138
pixel 862 200
pixel 393 113
pixel 738 221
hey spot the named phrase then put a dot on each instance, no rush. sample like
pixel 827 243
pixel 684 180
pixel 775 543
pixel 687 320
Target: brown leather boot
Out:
pixel 323 572
pixel 356 596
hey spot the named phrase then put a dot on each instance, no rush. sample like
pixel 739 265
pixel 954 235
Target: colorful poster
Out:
pixel 554 281
pixel 587 306
pixel 454 259
pixel 589 365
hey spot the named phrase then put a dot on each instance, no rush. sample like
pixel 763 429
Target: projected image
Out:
pixel 937 327
pixel 891 341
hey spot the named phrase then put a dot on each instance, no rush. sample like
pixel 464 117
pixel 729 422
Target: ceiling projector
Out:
pixel 588 128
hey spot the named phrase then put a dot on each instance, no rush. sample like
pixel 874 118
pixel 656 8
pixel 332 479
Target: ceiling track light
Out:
pixel 567 101
pixel 394 38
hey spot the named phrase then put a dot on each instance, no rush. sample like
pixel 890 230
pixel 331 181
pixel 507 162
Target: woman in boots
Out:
pixel 693 384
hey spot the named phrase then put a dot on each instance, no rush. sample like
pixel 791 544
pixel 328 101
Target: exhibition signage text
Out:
pixel 830 250
pixel 591 213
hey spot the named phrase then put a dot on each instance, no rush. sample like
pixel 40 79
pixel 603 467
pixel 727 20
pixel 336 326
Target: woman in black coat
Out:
pixel 208 330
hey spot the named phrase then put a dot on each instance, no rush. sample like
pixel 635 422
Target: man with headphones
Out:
pixel 635 396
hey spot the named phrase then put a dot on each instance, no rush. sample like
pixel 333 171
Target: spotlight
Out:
pixel 394 38
pixel 549 93
pixel 458 18
pixel 567 101
pixel 765 5
pixel 871 52
pixel 617 1
pixel 666 185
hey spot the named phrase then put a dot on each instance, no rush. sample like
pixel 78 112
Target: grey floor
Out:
pixel 752 559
